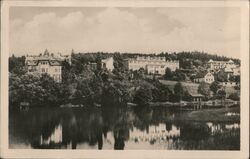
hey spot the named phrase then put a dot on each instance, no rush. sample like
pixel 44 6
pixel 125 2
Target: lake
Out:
pixel 117 128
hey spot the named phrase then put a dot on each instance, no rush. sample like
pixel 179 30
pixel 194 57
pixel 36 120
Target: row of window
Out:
pixel 209 79
pixel 231 83
pixel 46 70
pixel 156 66
pixel 44 62
pixel 162 58
pixel 153 62
pixel 57 78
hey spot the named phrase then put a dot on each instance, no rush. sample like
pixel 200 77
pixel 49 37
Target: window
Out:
pixel 55 69
pixel 43 69
pixel 46 69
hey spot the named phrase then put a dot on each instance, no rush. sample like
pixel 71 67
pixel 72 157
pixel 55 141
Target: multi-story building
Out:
pixel 47 63
pixel 153 65
pixel 204 77
pixel 217 65
pixel 230 84
pixel 209 78
pixel 108 64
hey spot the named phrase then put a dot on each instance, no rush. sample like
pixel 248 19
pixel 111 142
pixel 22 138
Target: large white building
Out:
pixel 153 65
pixel 47 63
pixel 217 65
pixel 108 64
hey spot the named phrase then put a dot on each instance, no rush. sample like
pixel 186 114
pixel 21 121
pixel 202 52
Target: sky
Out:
pixel 141 30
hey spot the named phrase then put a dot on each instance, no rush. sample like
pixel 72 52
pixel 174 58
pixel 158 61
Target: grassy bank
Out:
pixel 215 115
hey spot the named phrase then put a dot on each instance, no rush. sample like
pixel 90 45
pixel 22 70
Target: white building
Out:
pixel 217 65
pixel 108 64
pixel 47 63
pixel 154 65
pixel 236 71
pixel 230 84
pixel 207 78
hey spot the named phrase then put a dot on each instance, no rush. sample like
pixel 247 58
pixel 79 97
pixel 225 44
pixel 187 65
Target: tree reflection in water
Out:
pixel 117 128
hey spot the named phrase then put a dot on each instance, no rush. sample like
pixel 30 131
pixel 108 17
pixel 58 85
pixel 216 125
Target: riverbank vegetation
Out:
pixel 213 115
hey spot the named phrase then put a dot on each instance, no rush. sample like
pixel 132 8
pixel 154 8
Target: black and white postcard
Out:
pixel 124 79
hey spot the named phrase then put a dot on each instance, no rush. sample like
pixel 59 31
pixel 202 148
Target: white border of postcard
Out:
pixel 5 152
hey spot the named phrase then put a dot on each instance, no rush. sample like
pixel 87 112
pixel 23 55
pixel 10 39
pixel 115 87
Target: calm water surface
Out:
pixel 117 128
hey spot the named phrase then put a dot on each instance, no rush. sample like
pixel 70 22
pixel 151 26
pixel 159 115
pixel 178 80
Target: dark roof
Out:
pixel 51 62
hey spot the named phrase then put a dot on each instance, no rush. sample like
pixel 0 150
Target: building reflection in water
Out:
pixel 156 133
pixel 55 137
pixel 120 128
pixel 219 128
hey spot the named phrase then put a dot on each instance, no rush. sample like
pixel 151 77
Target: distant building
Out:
pixel 47 63
pixel 204 77
pixel 236 71
pixel 153 65
pixel 197 97
pixel 217 65
pixel 230 84
pixel 209 78
pixel 229 72
pixel 108 64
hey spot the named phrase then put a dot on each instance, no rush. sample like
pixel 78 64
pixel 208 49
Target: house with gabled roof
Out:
pixel 46 63
pixel 206 77
pixel 108 64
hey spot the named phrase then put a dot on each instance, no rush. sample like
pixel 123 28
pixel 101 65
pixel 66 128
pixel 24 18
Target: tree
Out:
pixel 178 75
pixel 168 74
pixel 204 89
pixel 214 87
pixel 179 91
pixel 234 96
pixel 67 74
pixel 119 64
pixel 237 78
pixel 221 94
pixel 185 63
pixel 143 95
pixel 139 74
pixel 17 65
pixel 36 90
pixel 221 76
pixel 187 96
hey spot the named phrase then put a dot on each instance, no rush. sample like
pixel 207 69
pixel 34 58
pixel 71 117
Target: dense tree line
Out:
pixel 83 85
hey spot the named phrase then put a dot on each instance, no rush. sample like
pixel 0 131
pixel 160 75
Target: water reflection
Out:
pixel 54 138
pixel 117 128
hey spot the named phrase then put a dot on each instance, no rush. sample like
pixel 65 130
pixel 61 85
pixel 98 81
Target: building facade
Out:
pixel 236 71
pixel 207 78
pixel 217 65
pixel 153 65
pixel 47 63
pixel 108 64
pixel 230 84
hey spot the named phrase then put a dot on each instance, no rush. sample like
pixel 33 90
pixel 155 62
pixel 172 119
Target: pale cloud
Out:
pixel 129 30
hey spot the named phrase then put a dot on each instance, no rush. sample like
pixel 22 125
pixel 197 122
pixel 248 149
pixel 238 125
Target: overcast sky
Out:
pixel 213 30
